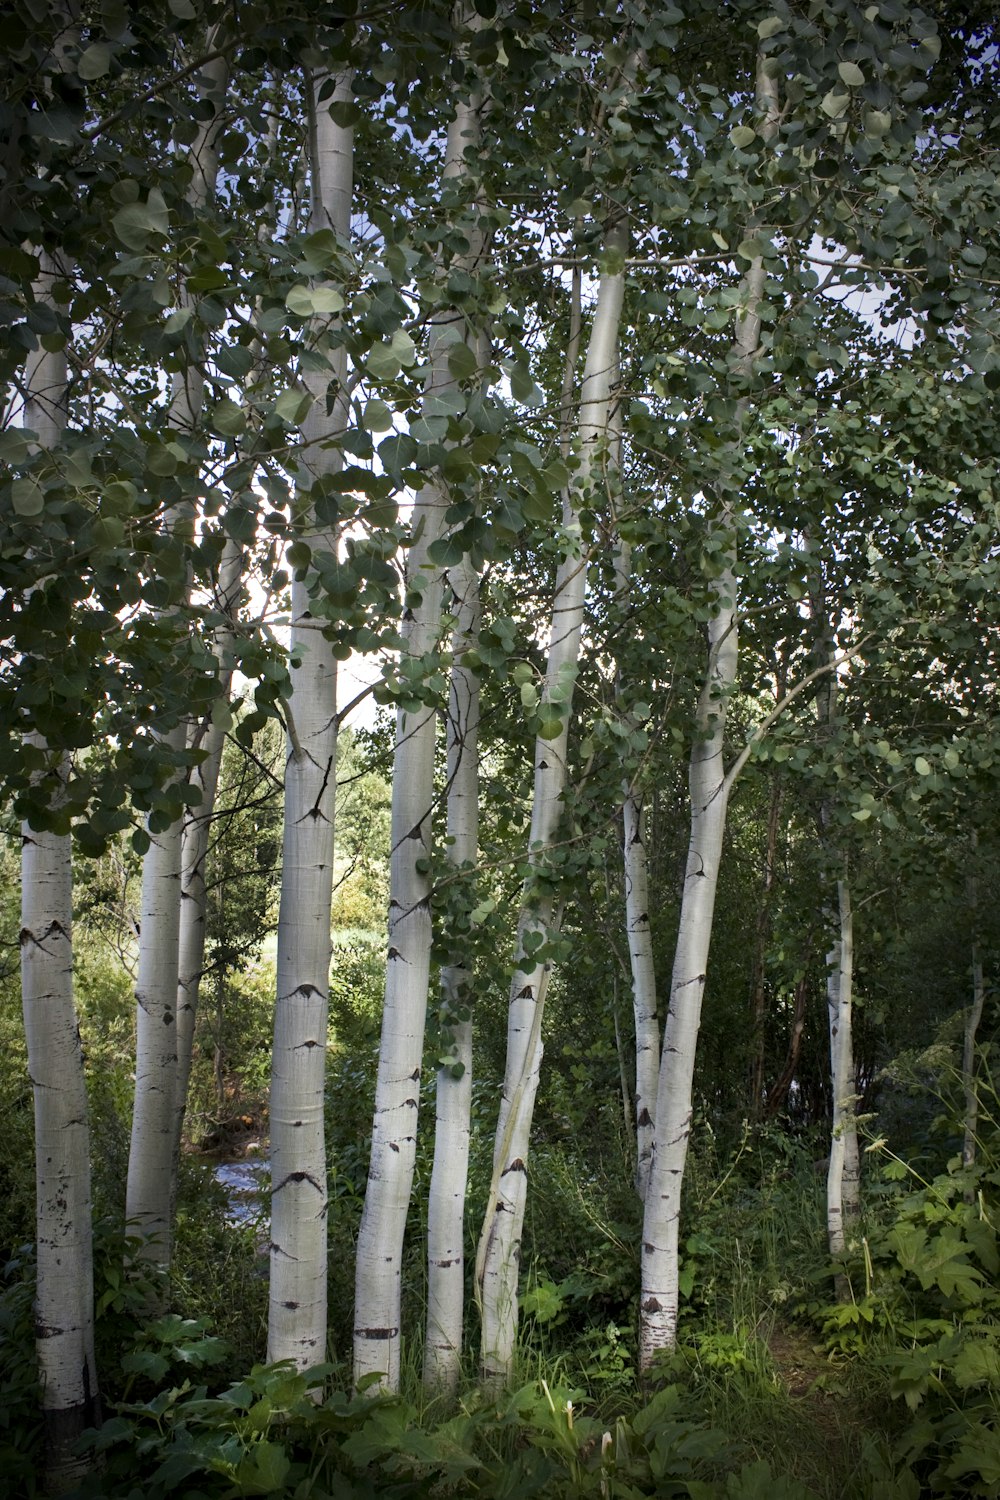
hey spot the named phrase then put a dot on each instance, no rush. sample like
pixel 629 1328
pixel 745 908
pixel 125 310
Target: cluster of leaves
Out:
pixel 926 1309
pixel 275 1433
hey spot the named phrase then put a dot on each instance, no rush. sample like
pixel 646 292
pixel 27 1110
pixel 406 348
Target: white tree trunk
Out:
pixel 640 944
pixel 64 1301
pixel 449 1175
pixel 390 1175
pixel 709 800
pixel 151 1177
pixel 210 737
pixel 640 949
pixel 842 1182
pixel 710 787
pixel 498 1258
pixel 296 1327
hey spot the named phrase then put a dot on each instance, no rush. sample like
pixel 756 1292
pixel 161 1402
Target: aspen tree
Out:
pixel 390 1175
pixel 449 1176
pixel 296 1328
pixel 842 1183
pixel 64 1300
pixel 710 786
pixel 149 1190
pixel 209 737
pixel 64 1288
pixel 498 1257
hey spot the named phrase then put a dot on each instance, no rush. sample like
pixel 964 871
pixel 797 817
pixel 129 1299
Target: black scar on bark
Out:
pixel 651 1305
pixel 526 993
pixel 517 1165
pixel 290 1305
pixel 644 1117
pixel 377 1333
pixel 393 1146
pixel 393 953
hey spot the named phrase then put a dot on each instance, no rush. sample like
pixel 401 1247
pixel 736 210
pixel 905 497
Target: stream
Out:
pixel 245 1181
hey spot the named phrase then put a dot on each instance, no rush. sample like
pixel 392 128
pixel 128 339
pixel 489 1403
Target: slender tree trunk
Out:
pixel 378 1289
pixel 296 1328
pixel 779 1091
pixel 640 947
pixel 210 738
pixel 64 1301
pixel 972 1020
pixel 758 988
pixel 709 800
pixel 709 792
pixel 449 1176
pixel 150 1187
pixel 498 1259
pixel 842 1183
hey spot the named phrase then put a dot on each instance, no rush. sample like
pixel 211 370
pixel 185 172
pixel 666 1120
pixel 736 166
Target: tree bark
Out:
pixel 297 1309
pixel 498 1258
pixel 64 1299
pixel 377 1316
pixel 842 1183
pixel 210 737
pixel 150 1185
pixel 709 792
pixel 449 1175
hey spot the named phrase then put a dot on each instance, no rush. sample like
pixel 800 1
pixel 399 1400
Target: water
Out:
pixel 246 1183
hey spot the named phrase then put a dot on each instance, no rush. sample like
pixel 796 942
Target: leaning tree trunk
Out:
pixel 498 1258
pixel 710 787
pixel 449 1175
pixel 377 1316
pixel 64 1300
pixel 296 1327
pixel 149 1191
pixel 842 1183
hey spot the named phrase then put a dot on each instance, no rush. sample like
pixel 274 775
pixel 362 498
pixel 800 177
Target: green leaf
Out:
pixel 376 416
pixel 28 497
pixel 182 9
pixel 769 27
pixel 228 418
pixel 264 1470
pixel 300 301
pixel 851 74
pixel 922 766
pixel 326 299
pixel 743 135
pixel 95 61
pixel 292 405
pixel 834 104
pixel 462 362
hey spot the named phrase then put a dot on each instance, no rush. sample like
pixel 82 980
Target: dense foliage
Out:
pixel 797 204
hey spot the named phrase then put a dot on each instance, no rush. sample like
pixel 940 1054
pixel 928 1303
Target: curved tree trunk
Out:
pixel 296 1327
pixel 390 1175
pixel 498 1258
pixel 149 1193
